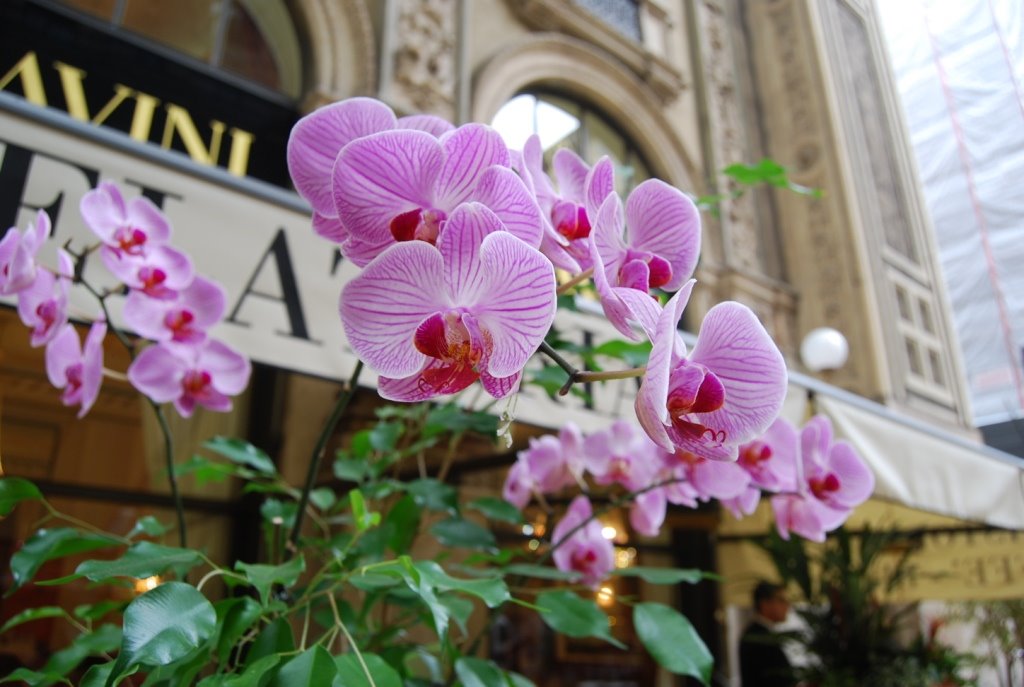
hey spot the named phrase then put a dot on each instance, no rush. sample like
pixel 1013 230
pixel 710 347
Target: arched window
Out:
pixel 561 122
pixel 253 39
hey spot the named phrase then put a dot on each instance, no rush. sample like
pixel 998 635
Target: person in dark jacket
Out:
pixel 762 661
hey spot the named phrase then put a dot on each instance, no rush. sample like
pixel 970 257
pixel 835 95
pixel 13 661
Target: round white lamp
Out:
pixel 823 349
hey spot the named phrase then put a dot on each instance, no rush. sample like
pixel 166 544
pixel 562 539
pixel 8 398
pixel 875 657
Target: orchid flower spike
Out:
pixel 18 252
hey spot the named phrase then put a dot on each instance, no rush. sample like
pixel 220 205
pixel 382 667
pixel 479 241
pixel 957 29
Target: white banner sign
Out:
pixel 283 281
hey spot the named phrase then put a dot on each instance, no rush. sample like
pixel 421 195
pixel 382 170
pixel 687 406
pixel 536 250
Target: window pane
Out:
pixel 246 52
pixel 622 15
pixel 104 9
pixel 186 25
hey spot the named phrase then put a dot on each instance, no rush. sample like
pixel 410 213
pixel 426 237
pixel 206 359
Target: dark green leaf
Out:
pixel 149 526
pixel 566 612
pixel 477 672
pixel 103 640
pixel 97 675
pixel 275 638
pixel 351 672
pixel 452 418
pixel 96 611
pixel 264 577
pixel 142 560
pixel 371 581
pixel 257 674
pixel 543 572
pixel 33 614
pixel 205 470
pixel 363 518
pixel 672 641
pixel 164 625
pixel 633 354
pixel 234 618
pixel 312 668
pixel 463 533
pixel 551 378
pixel 361 445
pixel 33 677
pixel 242 453
pixel 47 545
pixel 279 513
pixel 497 509
pixel 350 469
pixel 401 524
pixel 323 498
pixel 459 609
pixel 14 490
pixel 491 590
pixel 665 575
pixel 433 495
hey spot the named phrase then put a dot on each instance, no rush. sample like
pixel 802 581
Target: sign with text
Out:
pixel 283 281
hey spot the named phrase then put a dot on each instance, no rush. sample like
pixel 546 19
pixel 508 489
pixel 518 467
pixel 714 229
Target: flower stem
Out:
pixel 577 376
pixel 318 454
pixel 575 281
pixel 179 507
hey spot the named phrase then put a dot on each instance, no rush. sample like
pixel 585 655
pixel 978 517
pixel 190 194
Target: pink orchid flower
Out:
pixel 77 369
pixel 207 374
pixel 662 238
pixel 432 320
pixel 519 485
pixel 621 454
pixel 43 305
pixel 317 138
pixel 709 479
pixel 162 273
pixel 183 320
pixel 727 391
pixel 829 482
pixel 18 252
pixel 647 514
pixel 401 185
pixel 554 463
pixel 769 469
pixel 585 551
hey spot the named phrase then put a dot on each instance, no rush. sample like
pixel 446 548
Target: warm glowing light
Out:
pixel 609 532
pixel 533 545
pixel 605 596
pixel 527 529
pixel 625 557
pixel 144 585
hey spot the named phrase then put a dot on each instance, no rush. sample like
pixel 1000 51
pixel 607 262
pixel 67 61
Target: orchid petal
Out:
pixel 228 368
pixel 500 387
pixel 855 477
pixel 468 151
pixel 435 126
pixel 571 174
pixel 648 512
pixel 330 228
pixel 600 184
pixel 501 190
pixel 521 303
pixel 103 210
pixel 63 351
pixel 719 480
pixel 459 245
pixel 795 514
pixel 382 307
pixel 92 365
pixel 607 236
pixel 157 373
pixel 317 138
pixel 142 213
pixel 533 161
pixel 664 221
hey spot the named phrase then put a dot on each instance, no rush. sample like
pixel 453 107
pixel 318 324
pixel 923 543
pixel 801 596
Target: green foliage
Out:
pixel 672 641
pixel 573 616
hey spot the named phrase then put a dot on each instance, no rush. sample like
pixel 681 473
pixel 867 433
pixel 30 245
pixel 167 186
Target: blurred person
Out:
pixel 762 660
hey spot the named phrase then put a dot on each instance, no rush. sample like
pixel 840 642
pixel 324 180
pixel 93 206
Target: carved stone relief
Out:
pixel 424 56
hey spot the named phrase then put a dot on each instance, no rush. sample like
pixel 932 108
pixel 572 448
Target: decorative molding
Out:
pixel 424 59
pixel 342 50
pixel 575 67
pixel 564 16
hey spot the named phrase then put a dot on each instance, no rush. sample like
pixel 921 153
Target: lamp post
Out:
pixel 824 349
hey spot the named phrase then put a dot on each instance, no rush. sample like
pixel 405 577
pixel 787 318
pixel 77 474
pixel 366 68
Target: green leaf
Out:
pixel 566 612
pixel 364 519
pixel 459 609
pixel 323 498
pixel 385 435
pixel 33 614
pixel 234 618
pixel 352 674
pixel 350 469
pixel 401 524
pixel 361 447
pixel 149 526
pixel 14 490
pixel 103 640
pixel 452 418
pixel 97 675
pixel 47 545
pixel 551 378
pixel 497 509
pixel 543 572
pixel 242 453
pixel 672 641
pixel 275 638
pixel 665 575
pixel 371 581
pixel 257 674
pixel 491 590
pixel 477 672
pixel 633 354
pixel 264 577
pixel 142 560
pixel 33 677
pixel 433 495
pixel 273 509
pixel 311 668
pixel 164 625
pixel 96 611
pixel 464 533
pixel 205 470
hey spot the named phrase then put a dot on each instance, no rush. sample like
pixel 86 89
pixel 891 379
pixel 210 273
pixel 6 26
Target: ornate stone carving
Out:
pixel 424 57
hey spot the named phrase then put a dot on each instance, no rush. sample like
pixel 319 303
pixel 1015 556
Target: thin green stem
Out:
pixel 578 376
pixel 179 506
pixel 318 454
pixel 578 279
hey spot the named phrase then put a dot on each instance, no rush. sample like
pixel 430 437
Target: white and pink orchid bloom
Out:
pixel 401 185
pixel 647 514
pixel 662 238
pixel 77 369
pixel 43 305
pixel 727 391
pixel 431 320
pixel 206 374
pixel 317 138
pixel 621 454
pixel 519 485
pixel 18 251
pixel 771 466
pixel 126 228
pixel 554 463
pixel 830 481
pixel 162 273
pixel 709 479
pixel 184 320
pixel 582 548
